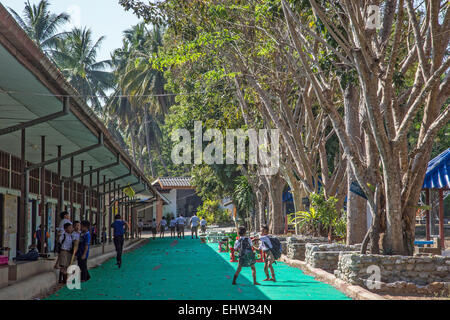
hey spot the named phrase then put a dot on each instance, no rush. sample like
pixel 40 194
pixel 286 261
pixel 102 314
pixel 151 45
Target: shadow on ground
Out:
pixel 165 269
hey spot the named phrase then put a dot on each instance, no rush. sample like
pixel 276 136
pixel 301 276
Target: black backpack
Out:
pixel 276 247
pixel 58 244
pixel 246 248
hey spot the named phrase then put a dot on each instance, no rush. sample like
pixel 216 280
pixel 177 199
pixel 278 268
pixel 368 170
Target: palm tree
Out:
pixel 40 24
pixel 136 84
pixel 76 56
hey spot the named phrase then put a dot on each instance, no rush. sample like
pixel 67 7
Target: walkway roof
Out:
pixel 31 86
pixel 165 183
pixel 438 172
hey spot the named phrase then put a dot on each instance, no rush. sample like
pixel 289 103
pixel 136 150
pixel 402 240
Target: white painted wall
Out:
pixel 172 207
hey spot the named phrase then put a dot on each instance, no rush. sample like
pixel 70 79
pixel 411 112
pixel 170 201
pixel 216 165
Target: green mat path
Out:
pixel 188 270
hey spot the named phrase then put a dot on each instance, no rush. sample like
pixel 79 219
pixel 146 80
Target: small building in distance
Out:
pixel 181 195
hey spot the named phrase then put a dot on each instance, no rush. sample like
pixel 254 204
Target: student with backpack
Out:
pixel 65 218
pixel 246 255
pixel 271 247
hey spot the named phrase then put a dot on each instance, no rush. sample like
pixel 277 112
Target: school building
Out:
pixel 55 153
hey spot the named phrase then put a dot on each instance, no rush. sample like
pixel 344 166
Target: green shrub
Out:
pixel 211 211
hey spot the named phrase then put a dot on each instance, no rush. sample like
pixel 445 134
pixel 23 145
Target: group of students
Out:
pixel 92 231
pixel 270 246
pixel 176 226
pixel 74 240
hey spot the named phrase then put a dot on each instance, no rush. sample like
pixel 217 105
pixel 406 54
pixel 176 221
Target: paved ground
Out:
pixel 186 269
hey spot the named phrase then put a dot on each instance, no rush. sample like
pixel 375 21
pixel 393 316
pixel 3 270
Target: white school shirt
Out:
pixel 237 245
pixel 195 221
pixel 264 243
pixel 140 224
pixel 67 244
pixel 203 222
pixel 163 222
pixel 173 222
pixel 181 221
pixel 75 236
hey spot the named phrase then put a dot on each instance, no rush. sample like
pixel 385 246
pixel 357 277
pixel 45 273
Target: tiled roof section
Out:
pixel 177 182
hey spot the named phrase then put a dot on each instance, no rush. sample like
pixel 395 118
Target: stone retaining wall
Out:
pixel 326 256
pixel 399 274
pixel 295 246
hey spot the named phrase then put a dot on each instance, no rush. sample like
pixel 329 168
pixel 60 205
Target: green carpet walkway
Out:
pixel 188 270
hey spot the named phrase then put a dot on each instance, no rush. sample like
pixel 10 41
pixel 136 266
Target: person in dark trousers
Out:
pixel 83 250
pixel 38 236
pixel 119 230
pixel 94 234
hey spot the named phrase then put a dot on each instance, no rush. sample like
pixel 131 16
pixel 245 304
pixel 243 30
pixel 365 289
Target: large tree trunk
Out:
pixel 276 221
pixel 393 240
pixel 356 205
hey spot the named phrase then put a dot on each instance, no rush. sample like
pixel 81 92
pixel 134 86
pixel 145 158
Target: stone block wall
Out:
pixel 399 274
pixel 295 246
pixel 326 256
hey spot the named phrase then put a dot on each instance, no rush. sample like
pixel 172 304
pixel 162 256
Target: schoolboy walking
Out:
pixel 194 222
pixel 172 225
pixel 246 255
pixel 162 227
pixel 203 223
pixel 154 227
pixel 181 221
pixel 119 226
pixel 266 246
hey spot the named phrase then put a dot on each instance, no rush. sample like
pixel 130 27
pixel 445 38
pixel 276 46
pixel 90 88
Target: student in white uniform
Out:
pixel 181 221
pixel 265 245
pixel 195 221
pixel 154 228
pixel 162 227
pixel 172 225
pixel 140 227
pixel 65 218
pixel 65 253
pixel 203 225
pixel 75 238
pixel 246 255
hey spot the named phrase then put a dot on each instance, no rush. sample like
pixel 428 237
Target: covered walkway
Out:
pixel 165 269
pixel 55 153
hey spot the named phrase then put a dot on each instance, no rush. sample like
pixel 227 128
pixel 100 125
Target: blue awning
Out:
pixel 438 172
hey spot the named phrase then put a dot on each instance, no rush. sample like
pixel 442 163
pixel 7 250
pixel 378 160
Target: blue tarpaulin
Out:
pixel 438 172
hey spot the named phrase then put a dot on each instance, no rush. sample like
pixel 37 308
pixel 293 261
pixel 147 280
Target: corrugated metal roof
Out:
pixel 438 172
pixel 173 182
